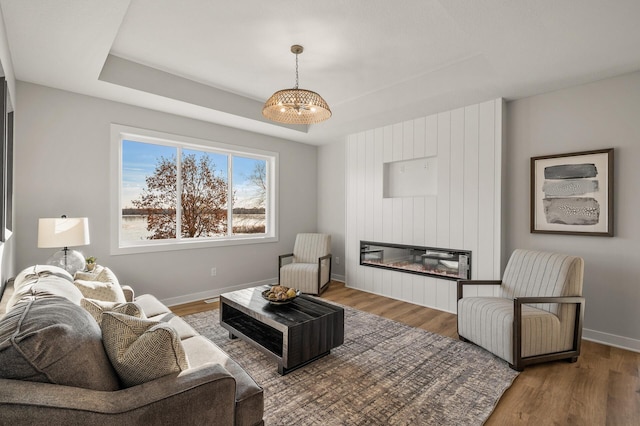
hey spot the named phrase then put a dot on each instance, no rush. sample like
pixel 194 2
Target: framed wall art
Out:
pixel 573 193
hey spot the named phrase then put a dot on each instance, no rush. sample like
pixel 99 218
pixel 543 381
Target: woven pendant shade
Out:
pixel 296 106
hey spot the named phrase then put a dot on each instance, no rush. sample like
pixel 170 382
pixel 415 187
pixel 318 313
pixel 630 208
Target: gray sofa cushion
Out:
pixel 249 395
pixel 51 339
pixel 152 307
pixel 43 280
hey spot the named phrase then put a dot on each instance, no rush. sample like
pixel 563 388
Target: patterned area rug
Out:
pixel 385 373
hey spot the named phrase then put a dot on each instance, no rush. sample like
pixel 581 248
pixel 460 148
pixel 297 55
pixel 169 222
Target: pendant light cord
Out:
pixel 296 72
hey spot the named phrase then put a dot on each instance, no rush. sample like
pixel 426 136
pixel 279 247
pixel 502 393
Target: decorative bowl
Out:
pixel 265 296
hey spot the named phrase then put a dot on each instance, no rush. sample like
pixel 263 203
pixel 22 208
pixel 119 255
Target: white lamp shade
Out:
pixel 63 232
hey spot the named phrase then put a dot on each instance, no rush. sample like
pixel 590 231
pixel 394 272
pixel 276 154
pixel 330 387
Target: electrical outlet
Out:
pixel 213 272
pixel 337 260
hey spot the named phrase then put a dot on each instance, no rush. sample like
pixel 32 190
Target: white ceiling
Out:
pixel 375 62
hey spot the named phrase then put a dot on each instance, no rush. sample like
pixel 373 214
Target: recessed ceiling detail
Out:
pixel 379 64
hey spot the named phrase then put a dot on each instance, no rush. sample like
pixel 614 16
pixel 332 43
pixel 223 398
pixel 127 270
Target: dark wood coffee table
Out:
pixel 295 334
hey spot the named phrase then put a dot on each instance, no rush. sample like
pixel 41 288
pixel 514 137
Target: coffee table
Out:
pixel 294 334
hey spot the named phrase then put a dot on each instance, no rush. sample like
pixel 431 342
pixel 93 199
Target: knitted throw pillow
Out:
pixel 101 284
pixel 106 275
pixel 141 350
pixel 99 273
pixel 97 307
pixel 106 291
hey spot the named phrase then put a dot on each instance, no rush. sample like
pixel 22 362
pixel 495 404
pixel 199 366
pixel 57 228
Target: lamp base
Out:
pixel 70 260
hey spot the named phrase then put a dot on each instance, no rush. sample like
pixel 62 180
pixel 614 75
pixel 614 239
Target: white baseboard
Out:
pixel 611 340
pixel 212 294
pixel 591 335
pixel 337 277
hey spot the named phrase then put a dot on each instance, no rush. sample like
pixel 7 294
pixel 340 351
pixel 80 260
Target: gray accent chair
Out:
pixel 537 312
pixel 309 269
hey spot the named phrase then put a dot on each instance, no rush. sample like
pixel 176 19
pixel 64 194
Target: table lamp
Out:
pixel 64 232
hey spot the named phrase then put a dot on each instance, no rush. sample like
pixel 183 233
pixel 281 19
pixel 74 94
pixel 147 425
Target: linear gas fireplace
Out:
pixel 443 263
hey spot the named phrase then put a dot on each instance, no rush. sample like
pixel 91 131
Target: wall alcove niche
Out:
pixel 410 178
pixel 435 181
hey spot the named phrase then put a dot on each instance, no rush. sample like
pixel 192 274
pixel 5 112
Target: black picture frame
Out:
pixel 6 161
pixel 572 194
pixel 3 159
pixel 9 187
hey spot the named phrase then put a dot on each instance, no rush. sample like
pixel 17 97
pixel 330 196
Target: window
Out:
pixel 175 192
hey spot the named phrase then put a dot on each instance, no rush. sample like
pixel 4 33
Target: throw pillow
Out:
pixel 99 273
pixel 141 350
pixel 53 340
pixel 97 307
pixel 106 275
pixel 84 275
pixel 106 291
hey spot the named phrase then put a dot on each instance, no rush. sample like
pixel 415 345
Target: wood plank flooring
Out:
pixel 602 388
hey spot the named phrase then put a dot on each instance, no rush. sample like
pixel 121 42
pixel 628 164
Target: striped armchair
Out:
pixel 536 315
pixel 310 267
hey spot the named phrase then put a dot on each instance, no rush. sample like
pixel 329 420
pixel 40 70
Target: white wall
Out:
pixel 593 116
pixel 331 202
pixel 62 167
pixel 465 213
pixel 603 114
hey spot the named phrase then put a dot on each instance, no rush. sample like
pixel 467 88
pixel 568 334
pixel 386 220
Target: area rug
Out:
pixel 385 373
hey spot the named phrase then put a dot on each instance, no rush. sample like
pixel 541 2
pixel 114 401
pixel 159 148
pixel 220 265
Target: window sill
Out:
pixel 189 245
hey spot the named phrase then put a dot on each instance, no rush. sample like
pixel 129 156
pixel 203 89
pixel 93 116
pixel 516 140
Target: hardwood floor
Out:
pixel 602 388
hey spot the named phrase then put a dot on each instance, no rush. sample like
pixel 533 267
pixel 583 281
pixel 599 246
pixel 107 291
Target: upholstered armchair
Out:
pixel 309 269
pixel 536 315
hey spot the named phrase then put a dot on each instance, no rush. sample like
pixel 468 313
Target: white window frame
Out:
pixel 120 132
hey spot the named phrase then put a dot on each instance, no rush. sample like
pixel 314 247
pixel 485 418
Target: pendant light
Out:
pixel 296 106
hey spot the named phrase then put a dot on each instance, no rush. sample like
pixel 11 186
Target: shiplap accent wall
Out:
pixel 465 213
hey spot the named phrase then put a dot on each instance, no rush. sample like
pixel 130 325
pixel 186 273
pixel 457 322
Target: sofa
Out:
pixel 61 363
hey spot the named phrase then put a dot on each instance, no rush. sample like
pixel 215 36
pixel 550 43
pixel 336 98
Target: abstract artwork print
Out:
pixel 567 188
pixel 573 193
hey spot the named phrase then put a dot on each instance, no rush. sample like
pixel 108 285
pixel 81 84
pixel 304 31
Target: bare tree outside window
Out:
pixel 259 178
pixel 215 189
pixel 203 199
pixel 158 200
pixel 250 187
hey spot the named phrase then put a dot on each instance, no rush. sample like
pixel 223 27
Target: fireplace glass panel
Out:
pixel 438 262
